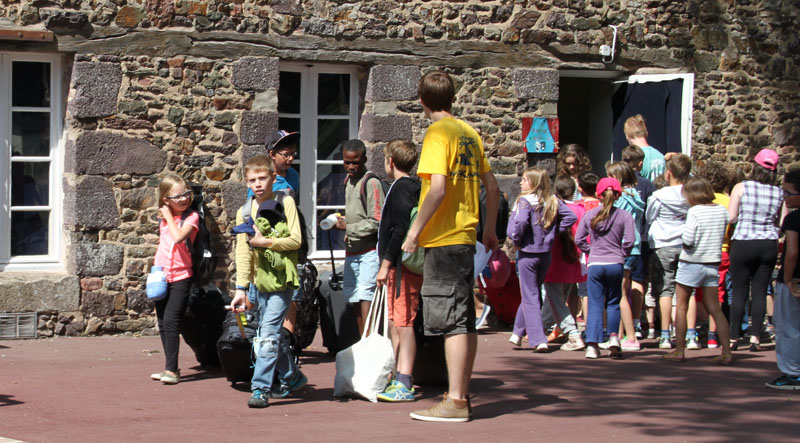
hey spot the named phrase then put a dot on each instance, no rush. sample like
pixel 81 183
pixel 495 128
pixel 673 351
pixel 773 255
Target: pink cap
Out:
pixel 767 158
pixel 499 269
pixel 608 183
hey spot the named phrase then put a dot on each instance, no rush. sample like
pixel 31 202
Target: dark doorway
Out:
pixel 584 113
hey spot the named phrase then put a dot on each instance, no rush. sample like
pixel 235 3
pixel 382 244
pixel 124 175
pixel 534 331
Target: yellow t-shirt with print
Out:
pixel 454 149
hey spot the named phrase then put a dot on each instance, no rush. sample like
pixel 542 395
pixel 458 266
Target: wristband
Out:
pixel 243 288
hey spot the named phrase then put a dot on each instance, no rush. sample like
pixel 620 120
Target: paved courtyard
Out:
pixel 98 389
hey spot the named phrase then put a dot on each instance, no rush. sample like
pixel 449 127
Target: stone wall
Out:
pixel 191 87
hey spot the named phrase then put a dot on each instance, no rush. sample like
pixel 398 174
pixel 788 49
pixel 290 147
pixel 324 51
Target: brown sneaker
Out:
pixel 448 410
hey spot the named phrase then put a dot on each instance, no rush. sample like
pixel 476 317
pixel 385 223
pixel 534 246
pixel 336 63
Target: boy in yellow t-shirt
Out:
pixel 452 165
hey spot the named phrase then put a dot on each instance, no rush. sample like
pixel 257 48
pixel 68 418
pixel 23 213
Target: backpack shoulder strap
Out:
pixel 247 210
pixel 367 177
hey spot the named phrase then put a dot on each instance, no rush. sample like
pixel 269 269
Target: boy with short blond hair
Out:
pixel 400 156
pixel 272 290
pixel 636 133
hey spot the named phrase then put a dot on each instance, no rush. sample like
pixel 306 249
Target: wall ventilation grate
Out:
pixel 18 325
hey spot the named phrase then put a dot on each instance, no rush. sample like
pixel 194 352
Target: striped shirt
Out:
pixel 704 232
pixel 758 211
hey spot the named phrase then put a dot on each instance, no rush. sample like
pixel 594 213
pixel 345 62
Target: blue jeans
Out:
pixel 271 350
pixel 605 290
pixel 360 272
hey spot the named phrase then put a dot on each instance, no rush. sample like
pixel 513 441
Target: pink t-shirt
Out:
pixel 560 271
pixel 178 266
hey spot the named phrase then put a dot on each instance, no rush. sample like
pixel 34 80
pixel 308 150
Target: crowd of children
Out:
pixel 617 243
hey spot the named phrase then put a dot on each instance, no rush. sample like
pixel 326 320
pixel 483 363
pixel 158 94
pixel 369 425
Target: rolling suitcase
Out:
pixel 337 321
pixel 235 345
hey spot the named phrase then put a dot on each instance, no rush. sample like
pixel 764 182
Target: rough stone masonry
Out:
pixel 191 87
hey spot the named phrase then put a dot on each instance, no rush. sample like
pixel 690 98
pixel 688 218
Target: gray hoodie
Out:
pixel 666 214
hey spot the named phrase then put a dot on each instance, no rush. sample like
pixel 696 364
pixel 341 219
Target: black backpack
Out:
pixel 204 259
pixel 367 177
pixel 302 253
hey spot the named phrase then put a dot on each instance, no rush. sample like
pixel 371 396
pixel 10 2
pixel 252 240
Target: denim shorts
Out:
pixel 448 306
pixel 635 264
pixel 697 275
pixel 360 272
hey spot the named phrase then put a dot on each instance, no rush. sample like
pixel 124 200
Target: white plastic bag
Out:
pixel 363 369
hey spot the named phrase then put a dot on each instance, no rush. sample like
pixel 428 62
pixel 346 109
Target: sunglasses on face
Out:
pixel 185 195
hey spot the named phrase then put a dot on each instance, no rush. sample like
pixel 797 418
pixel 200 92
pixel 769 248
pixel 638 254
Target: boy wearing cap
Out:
pixel 666 215
pixel 275 289
pixel 363 196
pixel 282 149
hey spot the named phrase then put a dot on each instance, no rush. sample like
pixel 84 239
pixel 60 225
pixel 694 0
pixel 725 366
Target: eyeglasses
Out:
pixel 185 195
pixel 790 194
pixel 287 155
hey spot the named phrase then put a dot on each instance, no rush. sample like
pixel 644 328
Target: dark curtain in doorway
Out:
pixel 660 105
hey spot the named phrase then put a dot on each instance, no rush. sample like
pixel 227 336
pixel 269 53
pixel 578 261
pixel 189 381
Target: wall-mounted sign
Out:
pixel 540 134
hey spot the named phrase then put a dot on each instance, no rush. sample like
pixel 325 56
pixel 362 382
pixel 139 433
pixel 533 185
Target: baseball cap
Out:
pixel 276 137
pixel 608 183
pixel 767 158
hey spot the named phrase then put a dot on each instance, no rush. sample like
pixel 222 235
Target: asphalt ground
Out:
pixel 98 389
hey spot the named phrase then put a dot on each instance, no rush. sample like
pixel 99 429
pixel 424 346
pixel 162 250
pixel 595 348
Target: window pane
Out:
pixel 334 94
pixel 330 187
pixel 289 93
pixel 30 84
pixel 330 135
pixel 29 233
pixel 30 133
pixel 334 236
pixel 30 184
pixel 291 125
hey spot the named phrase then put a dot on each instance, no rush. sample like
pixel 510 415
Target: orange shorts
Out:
pixel 403 309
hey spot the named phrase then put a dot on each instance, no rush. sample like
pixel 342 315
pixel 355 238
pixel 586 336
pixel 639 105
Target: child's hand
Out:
pixel 258 240
pixel 341 223
pixel 240 301
pixel 383 274
pixel 166 212
pixel 794 287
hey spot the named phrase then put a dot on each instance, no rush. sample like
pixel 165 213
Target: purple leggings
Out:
pixel 532 269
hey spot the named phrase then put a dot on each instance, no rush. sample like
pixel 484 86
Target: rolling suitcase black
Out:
pixel 235 345
pixel 337 321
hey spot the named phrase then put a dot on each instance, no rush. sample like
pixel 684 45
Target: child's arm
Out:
pixel 733 206
pixel 520 222
pixel 653 206
pixel 690 231
pixel 433 199
pixel 178 234
pixel 628 232
pixel 492 204
pixel 369 225
pixel 295 237
pixel 790 252
pixel 582 234
pixel 244 266
pixel 567 218
pixel 399 203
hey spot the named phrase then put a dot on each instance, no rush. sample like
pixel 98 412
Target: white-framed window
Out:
pixel 322 103
pixel 31 119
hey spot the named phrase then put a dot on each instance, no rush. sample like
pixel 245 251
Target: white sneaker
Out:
pixel 515 340
pixel 604 345
pixel 592 352
pixel 574 344
pixel 693 345
pixel 613 343
pixel 541 348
